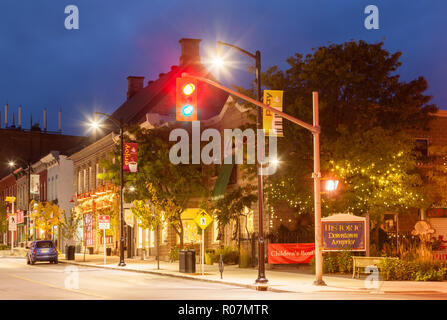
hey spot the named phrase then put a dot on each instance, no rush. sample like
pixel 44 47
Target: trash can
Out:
pixel 70 252
pixel 109 251
pixel 182 260
pixel 187 261
pixel 190 261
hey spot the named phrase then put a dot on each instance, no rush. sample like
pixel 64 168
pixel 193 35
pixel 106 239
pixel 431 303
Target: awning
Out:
pixel 222 181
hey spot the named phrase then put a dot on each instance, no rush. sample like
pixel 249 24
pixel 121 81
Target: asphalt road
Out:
pixel 19 281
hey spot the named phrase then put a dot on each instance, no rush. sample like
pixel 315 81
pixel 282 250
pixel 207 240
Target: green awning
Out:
pixel 222 181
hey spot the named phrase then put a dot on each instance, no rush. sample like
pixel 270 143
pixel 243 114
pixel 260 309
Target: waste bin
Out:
pixel 109 251
pixel 70 252
pixel 187 261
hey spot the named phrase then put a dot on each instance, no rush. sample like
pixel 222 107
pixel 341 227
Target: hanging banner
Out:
pixel 283 253
pixel 272 122
pixel 130 157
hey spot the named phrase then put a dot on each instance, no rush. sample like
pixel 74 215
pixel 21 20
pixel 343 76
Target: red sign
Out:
pixel 437 212
pixel 20 217
pixel 130 157
pixel 282 253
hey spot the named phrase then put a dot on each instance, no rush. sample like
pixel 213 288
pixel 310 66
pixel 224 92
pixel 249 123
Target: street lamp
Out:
pixel 257 57
pixel 119 124
pixel 331 185
pixel 12 164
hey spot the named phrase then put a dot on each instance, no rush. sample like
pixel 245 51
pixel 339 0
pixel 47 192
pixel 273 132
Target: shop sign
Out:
pixel 344 232
pixel 130 157
pixel 284 253
pixel 437 213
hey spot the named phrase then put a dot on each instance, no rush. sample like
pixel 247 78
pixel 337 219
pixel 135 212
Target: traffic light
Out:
pixel 186 100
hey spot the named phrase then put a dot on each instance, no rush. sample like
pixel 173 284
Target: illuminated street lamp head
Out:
pixel 94 124
pixel 131 188
pixel 218 62
pixel 331 185
pixel 11 164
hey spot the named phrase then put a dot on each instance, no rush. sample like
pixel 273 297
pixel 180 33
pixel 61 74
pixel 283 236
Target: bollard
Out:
pixel 221 265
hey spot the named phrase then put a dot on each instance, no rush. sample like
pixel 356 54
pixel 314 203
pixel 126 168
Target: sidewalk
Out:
pixel 280 280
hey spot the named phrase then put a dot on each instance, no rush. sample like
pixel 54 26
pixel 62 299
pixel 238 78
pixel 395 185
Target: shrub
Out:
pixel 344 261
pixel 173 254
pixel 230 255
pixel 4 247
pixel 394 269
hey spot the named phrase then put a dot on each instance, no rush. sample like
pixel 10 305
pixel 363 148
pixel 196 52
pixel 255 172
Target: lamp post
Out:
pixel 12 164
pixel 261 251
pixel 119 124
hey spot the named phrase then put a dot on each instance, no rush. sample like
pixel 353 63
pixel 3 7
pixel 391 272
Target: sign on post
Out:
pixel 344 232
pixel 272 122
pixel 104 222
pixel 203 220
pixel 12 223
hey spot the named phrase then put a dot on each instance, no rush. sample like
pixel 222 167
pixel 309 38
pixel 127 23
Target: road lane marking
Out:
pixel 58 287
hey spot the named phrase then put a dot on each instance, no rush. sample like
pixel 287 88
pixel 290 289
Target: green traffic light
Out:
pixel 187 110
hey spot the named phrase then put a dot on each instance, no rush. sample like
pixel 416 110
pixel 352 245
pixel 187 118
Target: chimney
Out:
pixel 59 127
pixel 134 84
pixel 6 115
pixel 190 51
pixel 45 119
pixel 13 121
pixel 20 116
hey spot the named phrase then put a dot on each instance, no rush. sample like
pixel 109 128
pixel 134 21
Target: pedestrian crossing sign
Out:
pixel 203 219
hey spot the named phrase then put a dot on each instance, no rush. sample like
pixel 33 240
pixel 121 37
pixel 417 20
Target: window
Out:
pixel 421 147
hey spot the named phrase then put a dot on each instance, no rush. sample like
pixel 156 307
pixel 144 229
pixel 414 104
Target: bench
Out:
pixel 363 262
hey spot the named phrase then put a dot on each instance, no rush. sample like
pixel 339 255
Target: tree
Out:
pixel 46 215
pixel 365 110
pixel 172 185
pixel 3 219
pixel 231 207
pixel 69 227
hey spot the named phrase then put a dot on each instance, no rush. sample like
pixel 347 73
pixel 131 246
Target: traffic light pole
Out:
pixel 315 130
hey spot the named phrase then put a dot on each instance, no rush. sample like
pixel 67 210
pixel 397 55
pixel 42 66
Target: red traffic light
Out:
pixel 186 100
pixel 189 89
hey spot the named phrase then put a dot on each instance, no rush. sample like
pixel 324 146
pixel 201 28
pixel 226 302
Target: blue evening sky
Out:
pixel 44 65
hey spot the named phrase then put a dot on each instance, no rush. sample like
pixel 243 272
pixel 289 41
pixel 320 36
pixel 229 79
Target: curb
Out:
pixel 236 284
pixel 249 286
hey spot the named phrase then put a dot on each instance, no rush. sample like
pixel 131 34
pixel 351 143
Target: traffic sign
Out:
pixel 10 199
pixel 12 223
pixel 203 219
pixel 104 222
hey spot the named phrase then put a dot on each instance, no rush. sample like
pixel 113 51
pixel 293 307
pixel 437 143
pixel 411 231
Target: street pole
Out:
pixel 261 263
pixel 122 263
pixel 104 240
pixel 261 251
pixel 317 195
pixel 203 250
pixel 12 232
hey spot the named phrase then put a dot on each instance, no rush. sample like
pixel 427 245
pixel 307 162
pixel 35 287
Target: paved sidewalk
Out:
pixel 280 279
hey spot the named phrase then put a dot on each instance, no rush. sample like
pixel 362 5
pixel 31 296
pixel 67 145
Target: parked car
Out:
pixel 42 250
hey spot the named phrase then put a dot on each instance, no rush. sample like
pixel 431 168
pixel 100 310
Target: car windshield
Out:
pixel 44 244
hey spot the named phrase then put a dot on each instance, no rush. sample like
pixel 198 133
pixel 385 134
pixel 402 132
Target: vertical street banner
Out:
pixel 130 157
pixel 272 122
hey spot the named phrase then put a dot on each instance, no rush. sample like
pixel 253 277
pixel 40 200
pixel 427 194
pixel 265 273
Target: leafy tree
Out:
pixel 3 219
pixel 365 110
pixel 69 227
pixel 174 186
pixel 46 215
pixel 232 205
